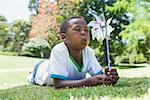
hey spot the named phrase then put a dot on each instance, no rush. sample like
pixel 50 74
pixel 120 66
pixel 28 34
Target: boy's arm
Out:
pixel 93 81
pixel 70 83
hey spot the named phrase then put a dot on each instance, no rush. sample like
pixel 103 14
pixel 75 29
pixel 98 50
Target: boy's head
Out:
pixel 74 32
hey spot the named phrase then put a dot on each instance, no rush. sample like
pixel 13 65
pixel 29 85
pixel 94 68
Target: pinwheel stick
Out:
pixel 107 45
pixel 99 33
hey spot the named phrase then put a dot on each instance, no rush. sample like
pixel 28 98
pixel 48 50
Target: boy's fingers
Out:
pixel 106 82
pixel 115 77
pixel 101 77
pixel 106 78
pixel 113 73
pixel 114 80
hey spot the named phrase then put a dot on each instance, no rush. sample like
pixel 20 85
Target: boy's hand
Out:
pixel 100 79
pixel 112 74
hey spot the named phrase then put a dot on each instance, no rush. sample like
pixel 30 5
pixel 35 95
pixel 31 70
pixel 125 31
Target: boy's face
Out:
pixel 77 35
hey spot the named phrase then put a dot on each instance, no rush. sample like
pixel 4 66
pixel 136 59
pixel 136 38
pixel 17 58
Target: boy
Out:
pixel 71 59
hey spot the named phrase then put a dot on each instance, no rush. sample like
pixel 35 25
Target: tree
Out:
pixel 3 30
pixel 124 44
pixel 126 19
pixel 2 18
pixel 79 7
pixel 137 34
pixel 33 6
pixel 46 23
pixel 20 28
pixel 119 17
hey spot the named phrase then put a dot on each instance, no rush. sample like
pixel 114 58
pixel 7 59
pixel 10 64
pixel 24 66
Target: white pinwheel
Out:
pixel 99 28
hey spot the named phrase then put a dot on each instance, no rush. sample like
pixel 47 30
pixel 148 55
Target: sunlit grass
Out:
pixel 14 70
pixel 125 88
pixel 13 83
pixel 13 78
pixel 17 62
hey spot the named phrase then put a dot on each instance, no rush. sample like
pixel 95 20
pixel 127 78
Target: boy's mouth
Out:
pixel 84 41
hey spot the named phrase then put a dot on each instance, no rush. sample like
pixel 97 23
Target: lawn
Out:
pixel 14 70
pixel 134 83
pixel 11 62
pixel 125 88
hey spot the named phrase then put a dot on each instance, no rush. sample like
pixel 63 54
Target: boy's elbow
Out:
pixel 58 84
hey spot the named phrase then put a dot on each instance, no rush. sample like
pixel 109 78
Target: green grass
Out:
pixel 8 53
pixel 14 70
pixel 13 83
pixel 17 62
pixel 126 87
pixel 128 66
pixel 11 79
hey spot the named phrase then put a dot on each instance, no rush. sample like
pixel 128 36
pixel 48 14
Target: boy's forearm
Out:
pixel 71 83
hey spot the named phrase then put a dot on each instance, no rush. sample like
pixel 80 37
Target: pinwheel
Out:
pixel 101 30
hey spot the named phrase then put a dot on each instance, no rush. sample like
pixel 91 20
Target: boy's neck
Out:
pixel 74 52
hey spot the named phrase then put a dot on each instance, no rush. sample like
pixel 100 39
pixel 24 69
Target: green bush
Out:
pixel 140 58
pixel 27 53
pixel 37 46
pixel 130 58
pixel 1 48
pixel 7 49
pixel 9 53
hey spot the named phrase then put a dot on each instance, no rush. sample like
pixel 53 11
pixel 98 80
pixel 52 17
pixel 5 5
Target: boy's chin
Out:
pixel 81 48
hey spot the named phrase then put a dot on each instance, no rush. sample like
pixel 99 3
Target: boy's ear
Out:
pixel 63 36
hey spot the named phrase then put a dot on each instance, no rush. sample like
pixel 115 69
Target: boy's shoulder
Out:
pixel 60 47
pixel 88 49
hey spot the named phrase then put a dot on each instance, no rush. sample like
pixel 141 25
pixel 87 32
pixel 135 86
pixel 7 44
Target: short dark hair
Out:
pixel 65 24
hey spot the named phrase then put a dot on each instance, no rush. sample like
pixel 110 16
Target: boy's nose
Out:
pixel 85 35
pixel 83 32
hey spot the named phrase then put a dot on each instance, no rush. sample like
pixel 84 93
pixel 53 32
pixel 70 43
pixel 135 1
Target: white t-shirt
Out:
pixel 63 66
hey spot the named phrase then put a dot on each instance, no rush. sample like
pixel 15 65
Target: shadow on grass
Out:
pixel 127 66
pixel 126 87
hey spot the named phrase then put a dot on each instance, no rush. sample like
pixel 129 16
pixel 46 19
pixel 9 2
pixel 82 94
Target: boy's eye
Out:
pixel 77 29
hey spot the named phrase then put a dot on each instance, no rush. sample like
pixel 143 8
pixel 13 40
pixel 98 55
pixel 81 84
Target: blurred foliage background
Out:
pixel 129 43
